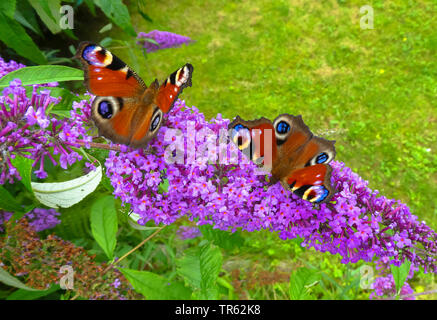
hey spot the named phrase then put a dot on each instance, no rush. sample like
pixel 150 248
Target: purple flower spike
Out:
pixel 39 219
pixel 27 130
pixel 163 38
pixel 186 232
pixel 358 224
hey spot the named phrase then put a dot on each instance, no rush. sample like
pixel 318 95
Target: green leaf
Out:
pixel 22 294
pixel 118 13
pixel 42 74
pixel 224 239
pixel 25 15
pixel 300 280
pixel 200 268
pixel 106 41
pixel 14 36
pixel 8 7
pixel 10 280
pixel 106 28
pixel 104 224
pixel 48 11
pixel 8 202
pixel 24 167
pixel 163 186
pixel 91 6
pixel 64 107
pixel 156 287
pixel 210 266
pixel 400 274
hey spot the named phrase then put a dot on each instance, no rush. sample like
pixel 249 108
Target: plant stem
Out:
pixel 127 254
pixel 138 246
pixel 99 145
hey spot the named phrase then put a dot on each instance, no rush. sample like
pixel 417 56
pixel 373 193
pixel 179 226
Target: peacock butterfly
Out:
pixel 125 110
pixel 287 148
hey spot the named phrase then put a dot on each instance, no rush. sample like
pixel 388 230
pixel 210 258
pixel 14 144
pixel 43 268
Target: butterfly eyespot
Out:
pixel 282 127
pixel 239 127
pixel 105 109
pixel 156 120
pixel 241 136
pixel 322 157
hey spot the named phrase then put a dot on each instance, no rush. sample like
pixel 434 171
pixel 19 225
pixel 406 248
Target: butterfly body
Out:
pixel 288 149
pixel 125 110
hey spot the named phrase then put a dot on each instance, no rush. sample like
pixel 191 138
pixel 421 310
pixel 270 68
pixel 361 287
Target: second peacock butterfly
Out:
pixel 296 158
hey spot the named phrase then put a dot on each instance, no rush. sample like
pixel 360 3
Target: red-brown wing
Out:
pixel 173 86
pixel 311 183
pixel 256 139
pixel 303 160
pixel 106 74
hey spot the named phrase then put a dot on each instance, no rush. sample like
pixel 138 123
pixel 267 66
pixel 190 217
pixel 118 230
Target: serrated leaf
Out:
pixel 42 74
pixel 22 294
pixel 299 282
pixel 188 266
pixel 104 224
pixel 156 287
pixel 14 36
pixel 10 280
pixel 224 239
pixel 24 167
pixel 200 268
pixel 400 274
pixel 67 193
pixel 210 266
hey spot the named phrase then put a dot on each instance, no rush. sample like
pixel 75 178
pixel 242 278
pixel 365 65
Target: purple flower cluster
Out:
pixel 384 285
pixel 187 232
pixel 164 39
pixel 358 224
pixel 6 67
pixel 28 129
pixel 39 219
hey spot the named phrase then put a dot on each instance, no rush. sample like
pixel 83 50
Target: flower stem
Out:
pixel 137 247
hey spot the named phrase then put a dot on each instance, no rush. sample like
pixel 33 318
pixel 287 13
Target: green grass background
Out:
pixel 373 91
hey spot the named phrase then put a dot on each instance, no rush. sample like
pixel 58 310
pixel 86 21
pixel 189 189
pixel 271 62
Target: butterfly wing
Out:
pixel 303 165
pixel 124 110
pixel 105 74
pixel 298 159
pixel 256 139
pixel 173 86
pixel 162 99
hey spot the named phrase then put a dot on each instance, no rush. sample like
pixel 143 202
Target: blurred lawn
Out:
pixel 374 91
